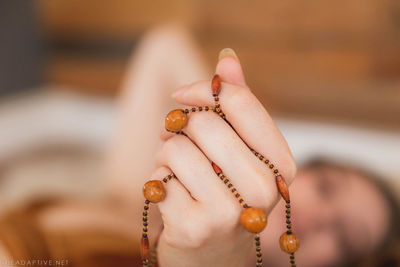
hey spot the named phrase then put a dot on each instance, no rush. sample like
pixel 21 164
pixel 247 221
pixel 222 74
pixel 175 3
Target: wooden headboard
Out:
pixel 330 60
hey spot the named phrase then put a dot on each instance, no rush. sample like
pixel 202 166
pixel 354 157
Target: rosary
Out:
pixel 252 219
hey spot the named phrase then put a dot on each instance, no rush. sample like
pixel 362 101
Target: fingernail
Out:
pixel 179 91
pixel 227 52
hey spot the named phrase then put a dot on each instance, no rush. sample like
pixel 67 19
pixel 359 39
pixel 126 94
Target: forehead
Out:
pixel 363 208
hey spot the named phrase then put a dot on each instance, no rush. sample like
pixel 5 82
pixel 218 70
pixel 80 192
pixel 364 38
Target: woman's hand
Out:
pixel 201 216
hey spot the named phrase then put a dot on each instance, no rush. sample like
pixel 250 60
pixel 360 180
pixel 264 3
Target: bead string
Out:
pixel 154 191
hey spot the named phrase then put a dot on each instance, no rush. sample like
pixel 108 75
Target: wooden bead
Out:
pixel 144 248
pixel 176 120
pixel 253 220
pixel 289 243
pixel 154 191
pixel 216 85
pixel 216 168
pixel 282 187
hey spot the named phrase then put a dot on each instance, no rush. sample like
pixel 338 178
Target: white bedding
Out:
pixel 64 117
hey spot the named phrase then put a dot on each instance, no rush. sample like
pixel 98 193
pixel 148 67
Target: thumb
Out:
pixel 229 68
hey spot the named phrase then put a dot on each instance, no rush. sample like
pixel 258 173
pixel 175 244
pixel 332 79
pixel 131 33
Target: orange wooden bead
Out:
pixel 216 168
pixel 282 187
pixel 144 248
pixel 289 242
pixel 154 191
pixel 253 220
pixel 176 120
pixel 216 85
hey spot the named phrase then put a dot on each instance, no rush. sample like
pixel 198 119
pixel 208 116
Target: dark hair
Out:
pixel 387 254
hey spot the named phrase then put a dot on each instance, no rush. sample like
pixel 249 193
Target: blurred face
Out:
pixel 337 214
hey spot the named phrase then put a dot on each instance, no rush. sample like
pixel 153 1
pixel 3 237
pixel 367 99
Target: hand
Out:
pixel 201 217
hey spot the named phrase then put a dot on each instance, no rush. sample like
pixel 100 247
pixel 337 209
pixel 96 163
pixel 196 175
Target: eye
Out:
pixel 326 185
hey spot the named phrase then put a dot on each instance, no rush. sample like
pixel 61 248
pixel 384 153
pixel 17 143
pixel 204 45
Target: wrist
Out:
pixel 233 255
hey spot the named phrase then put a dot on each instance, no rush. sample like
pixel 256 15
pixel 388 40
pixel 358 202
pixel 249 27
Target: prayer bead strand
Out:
pixel 253 219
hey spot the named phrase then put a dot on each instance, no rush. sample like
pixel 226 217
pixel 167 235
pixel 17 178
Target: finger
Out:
pixel 192 168
pixel 229 68
pixel 177 199
pixel 250 120
pixel 223 146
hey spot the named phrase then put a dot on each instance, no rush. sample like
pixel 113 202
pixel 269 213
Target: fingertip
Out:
pixel 229 68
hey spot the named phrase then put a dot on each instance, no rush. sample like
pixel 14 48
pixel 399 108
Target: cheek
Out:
pixel 304 193
pixel 318 250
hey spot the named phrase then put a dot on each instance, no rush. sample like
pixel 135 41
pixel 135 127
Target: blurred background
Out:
pixel 328 71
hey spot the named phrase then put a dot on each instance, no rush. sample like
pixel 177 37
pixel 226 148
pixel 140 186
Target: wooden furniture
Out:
pixel 337 60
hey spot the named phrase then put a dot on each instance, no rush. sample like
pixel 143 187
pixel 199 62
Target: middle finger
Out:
pixel 223 146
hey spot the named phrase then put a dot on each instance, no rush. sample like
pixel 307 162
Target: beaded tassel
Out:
pixel 253 219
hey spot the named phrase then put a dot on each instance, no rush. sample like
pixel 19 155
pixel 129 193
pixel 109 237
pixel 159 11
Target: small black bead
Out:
pixel 144 235
pixel 147 201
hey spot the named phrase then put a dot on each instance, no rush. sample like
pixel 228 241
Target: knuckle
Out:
pixel 171 240
pixel 189 234
pixel 227 217
pixel 173 144
pixel 195 233
pixel 242 97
